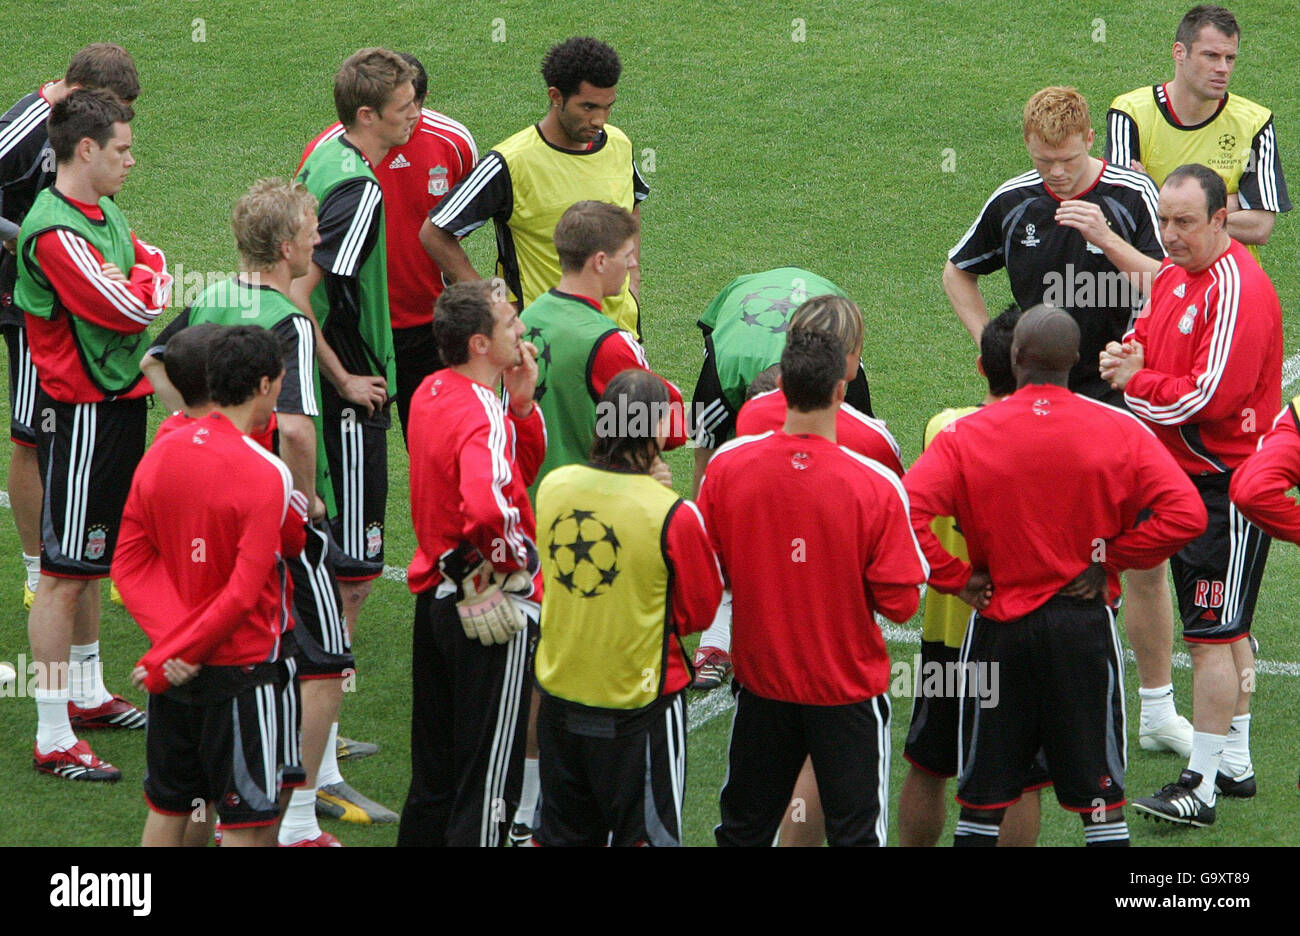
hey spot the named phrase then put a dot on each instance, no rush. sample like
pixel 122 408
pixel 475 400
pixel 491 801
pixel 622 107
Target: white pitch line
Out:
pixel 708 707
pixel 1290 371
pixel 703 709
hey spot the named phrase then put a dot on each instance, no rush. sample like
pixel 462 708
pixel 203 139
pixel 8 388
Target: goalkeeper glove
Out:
pixel 486 613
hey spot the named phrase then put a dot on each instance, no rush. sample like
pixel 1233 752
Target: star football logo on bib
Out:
pixel 1030 240
pixel 543 361
pixel 769 308
pixel 584 553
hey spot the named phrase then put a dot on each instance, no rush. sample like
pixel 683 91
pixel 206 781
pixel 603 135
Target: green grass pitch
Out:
pixel 854 139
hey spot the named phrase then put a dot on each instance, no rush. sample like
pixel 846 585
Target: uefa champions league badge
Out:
pixel 438 180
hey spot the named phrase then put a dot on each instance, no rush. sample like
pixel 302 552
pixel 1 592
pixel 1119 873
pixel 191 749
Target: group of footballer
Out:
pixel 557 571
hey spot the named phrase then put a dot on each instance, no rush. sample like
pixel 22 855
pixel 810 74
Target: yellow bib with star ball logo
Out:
pixel 605 614
pixel 546 181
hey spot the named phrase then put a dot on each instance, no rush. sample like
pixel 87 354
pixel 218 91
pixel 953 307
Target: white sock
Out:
pixel 33 566
pixel 329 762
pixel 1207 751
pixel 1157 705
pixel 86 676
pixel 719 633
pixel 528 799
pixel 299 822
pixel 1236 752
pixel 53 730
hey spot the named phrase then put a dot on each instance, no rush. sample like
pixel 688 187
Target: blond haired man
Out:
pixel 1067 232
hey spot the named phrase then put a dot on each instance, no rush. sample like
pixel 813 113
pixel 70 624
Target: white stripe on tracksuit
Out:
pixel 333 638
pixel 1024 179
pixel 268 741
pixel 502 470
pixel 321 594
pixel 503 740
pixel 1119 682
pixel 352 456
pixel 118 295
pixel 306 361
pixel 35 115
pixel 1227 279
pixel 963 656
pixel 292 753
pixel 675 729
pixel 1268 169
pixel 81 452
pixel 24 402
pixel 345 263
pixel 1239 548
pixel 882 767
pixel 1121 148
pixel 466 191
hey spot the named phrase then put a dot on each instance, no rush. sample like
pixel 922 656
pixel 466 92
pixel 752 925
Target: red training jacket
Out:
pixel 199 560
pixel 1259 486
pixel 814 540
pixel 1213 361
pixel 1043 484
pixel 471 463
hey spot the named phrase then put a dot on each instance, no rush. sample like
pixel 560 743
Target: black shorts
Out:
pixel 228 752
pixel 849 746
pixel 416 356
pixel 87 453
pixel 622 790
pixel 324 651
pixel 290 712
pixel 22 386
pixel 356 446
pixel 1218 574
pixel 1053 680
pixel 932 736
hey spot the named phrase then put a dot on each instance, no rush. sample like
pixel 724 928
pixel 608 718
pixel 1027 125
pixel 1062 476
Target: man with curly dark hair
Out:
pixel 527 182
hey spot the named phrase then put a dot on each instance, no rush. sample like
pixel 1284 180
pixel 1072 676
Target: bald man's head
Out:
pixel 1045 346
